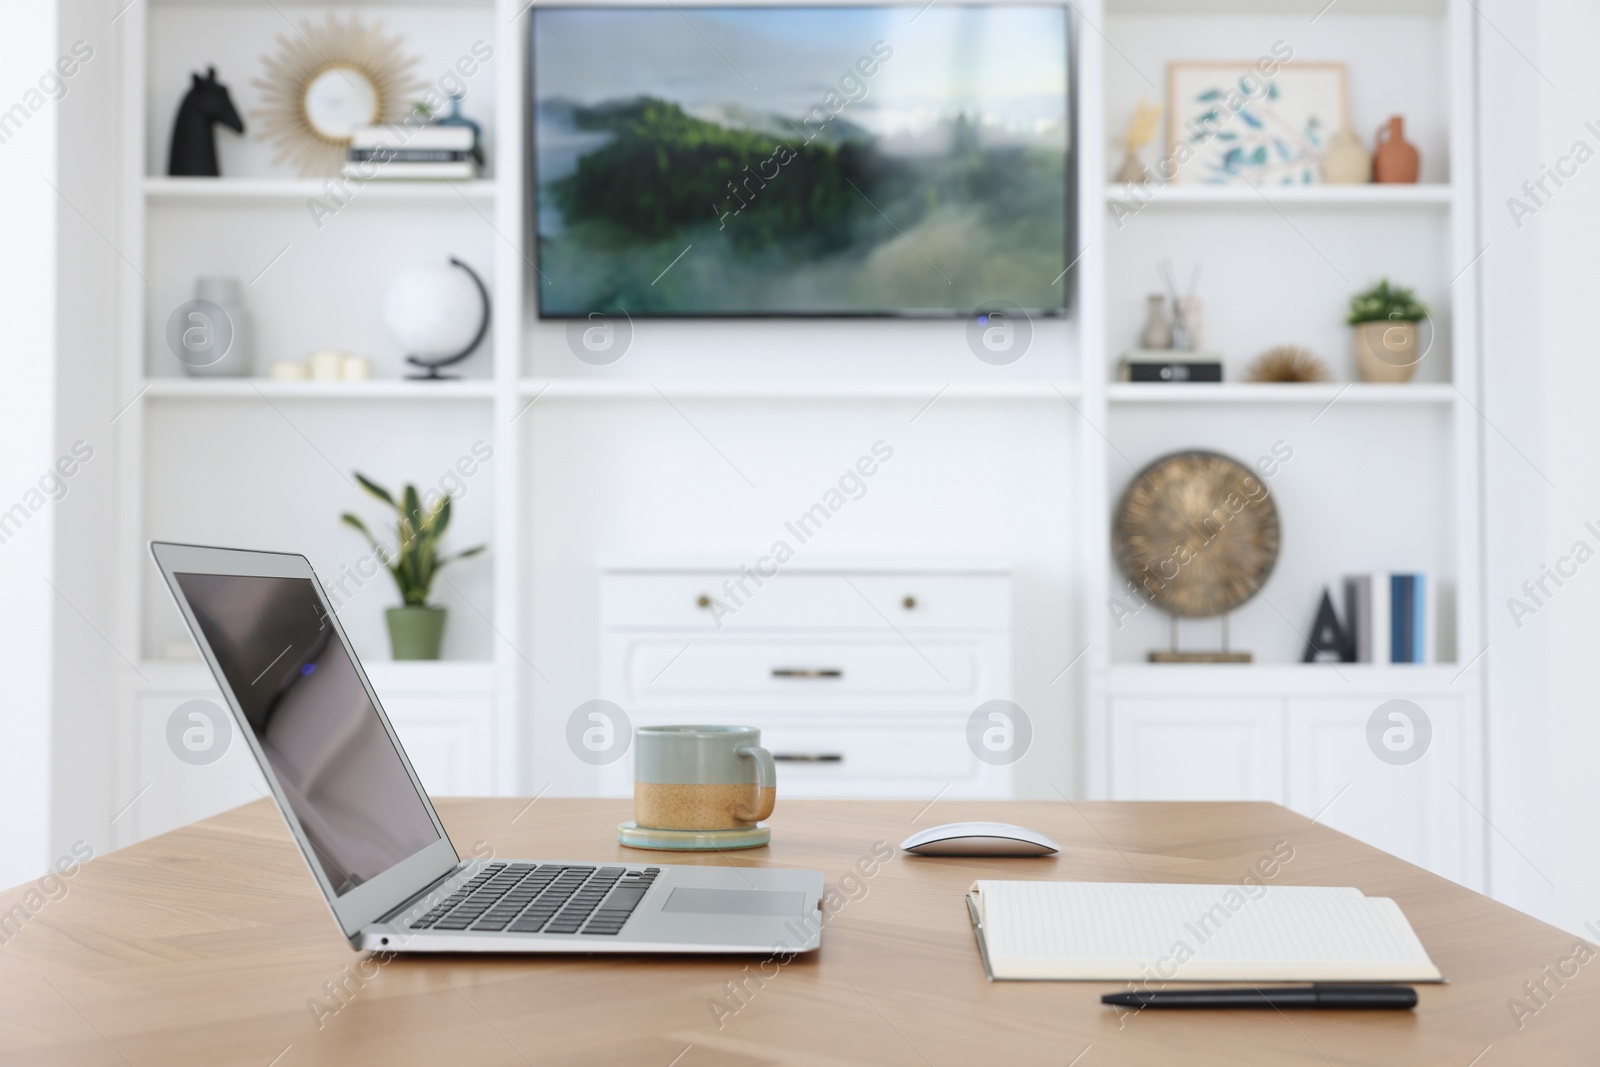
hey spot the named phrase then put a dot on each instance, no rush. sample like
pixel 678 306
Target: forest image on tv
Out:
pixel 799 161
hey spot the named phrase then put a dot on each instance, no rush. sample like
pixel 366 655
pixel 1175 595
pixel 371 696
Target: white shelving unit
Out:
pixel 189 447
pixel 584 458
pixel 1387 476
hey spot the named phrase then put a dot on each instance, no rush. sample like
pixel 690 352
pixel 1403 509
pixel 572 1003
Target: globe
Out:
pixel 433 311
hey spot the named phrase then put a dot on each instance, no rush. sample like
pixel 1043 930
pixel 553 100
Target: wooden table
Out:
pixel 210 945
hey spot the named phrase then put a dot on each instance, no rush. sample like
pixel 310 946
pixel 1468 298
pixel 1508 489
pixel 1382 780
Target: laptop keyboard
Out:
pixel 549 898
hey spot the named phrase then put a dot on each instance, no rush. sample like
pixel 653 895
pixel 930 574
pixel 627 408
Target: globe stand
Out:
pixel 431 366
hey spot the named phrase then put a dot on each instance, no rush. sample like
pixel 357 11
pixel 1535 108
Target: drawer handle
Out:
pixel 807 672
pixel 808 757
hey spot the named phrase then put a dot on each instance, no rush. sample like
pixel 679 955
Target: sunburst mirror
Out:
pixel 1197 533
pixel 327 81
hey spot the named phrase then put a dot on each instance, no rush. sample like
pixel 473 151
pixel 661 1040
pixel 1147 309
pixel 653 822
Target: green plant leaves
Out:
pixel 1385 303
pixel 375 489
pixel 416 560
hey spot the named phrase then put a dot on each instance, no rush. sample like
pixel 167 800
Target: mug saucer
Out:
pixel 633 835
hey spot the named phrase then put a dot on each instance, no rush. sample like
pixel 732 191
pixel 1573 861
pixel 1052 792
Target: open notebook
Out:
pixel 1114 931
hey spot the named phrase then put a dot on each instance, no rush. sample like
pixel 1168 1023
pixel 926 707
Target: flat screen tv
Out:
pixel 800 161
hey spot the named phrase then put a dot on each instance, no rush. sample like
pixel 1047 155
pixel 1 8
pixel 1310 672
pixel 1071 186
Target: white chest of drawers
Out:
pixel 860 673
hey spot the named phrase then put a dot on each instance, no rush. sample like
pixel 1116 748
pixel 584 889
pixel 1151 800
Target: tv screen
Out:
pixel 726 161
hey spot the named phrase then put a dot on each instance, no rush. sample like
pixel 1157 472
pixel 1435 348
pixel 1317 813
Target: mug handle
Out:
pixel 766 778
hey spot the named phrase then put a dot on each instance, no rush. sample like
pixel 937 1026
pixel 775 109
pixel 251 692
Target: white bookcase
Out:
pixel 1382 478
pixel 199 456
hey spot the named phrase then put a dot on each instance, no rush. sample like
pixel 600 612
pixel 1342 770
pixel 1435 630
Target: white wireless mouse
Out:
pixel 979 839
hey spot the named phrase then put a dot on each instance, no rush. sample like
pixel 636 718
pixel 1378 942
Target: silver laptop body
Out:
pixel 371 837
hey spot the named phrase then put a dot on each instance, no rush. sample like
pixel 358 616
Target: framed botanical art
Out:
pixel 1253 123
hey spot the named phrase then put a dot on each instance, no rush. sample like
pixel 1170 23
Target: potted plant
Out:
pixel 416 627
pixel 1385 318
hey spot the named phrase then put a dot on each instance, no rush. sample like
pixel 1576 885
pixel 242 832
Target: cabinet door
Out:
pixel 449 739
pixel 1388 785
pixel 447 736
pixel 199 768
pixel 1182 749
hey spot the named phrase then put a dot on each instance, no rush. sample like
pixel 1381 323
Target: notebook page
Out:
pixel 1139 931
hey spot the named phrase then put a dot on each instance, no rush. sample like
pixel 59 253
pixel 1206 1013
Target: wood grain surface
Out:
pixel 211 946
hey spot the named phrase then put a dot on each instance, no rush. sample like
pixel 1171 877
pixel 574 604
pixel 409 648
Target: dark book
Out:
pixel 1141 370
pixel 1358 617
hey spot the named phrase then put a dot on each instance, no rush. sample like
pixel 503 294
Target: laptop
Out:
pixel 371 837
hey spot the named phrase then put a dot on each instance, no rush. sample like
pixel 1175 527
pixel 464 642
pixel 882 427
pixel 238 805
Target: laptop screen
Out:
pixel 300 692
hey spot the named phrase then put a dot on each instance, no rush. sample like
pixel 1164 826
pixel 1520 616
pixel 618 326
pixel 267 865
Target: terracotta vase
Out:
pixel 1396 161
pixel 1386 351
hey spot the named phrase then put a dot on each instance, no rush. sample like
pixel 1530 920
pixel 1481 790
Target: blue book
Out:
pixel 1403 620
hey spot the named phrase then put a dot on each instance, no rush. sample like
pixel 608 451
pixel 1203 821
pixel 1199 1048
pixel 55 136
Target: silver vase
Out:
pixel 232 329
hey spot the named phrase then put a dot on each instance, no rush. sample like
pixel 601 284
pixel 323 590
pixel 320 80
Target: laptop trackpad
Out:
pixel 734 901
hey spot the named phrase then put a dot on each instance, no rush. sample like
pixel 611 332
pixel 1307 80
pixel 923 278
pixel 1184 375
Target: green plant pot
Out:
pixel 415 632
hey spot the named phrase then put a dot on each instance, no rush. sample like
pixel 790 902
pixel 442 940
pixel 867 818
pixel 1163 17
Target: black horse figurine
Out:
pixel 194 145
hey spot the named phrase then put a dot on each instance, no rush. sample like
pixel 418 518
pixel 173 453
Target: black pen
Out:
pixel 1331 995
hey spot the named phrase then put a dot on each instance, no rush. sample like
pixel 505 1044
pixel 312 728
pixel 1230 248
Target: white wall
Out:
pixel 1515 464
pixel 88 276
pixel 1541 456
pixel 27 445
pixel 967 477
pixel 1570 222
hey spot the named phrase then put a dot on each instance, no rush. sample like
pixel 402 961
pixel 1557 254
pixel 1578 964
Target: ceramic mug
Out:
pixel 701 777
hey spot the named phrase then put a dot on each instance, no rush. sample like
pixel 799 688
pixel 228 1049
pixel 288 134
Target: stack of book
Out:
pixel 410 153
pixel 1389 618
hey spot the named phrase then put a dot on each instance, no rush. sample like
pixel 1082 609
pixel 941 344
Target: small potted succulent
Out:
pixel 416 628
pixel 1385 318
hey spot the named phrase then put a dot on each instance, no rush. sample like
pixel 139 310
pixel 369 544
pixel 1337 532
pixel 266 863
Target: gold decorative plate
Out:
pixel 1197 533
